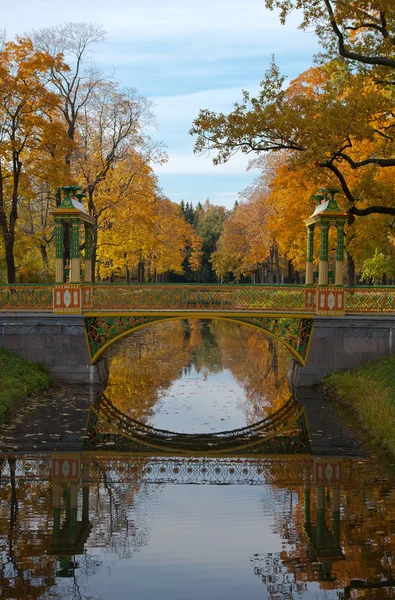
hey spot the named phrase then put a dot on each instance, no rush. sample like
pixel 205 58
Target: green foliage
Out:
pixel 375 267
pixel 208 221
pixel 19 380
pixel 370 393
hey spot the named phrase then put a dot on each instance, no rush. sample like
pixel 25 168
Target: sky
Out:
pixel 184 56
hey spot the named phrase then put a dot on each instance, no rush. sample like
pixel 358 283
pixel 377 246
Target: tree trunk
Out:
pixel 350 271
pixel 289 271
pixel 9 258
pixel 141 272
pixel 270 275
pixel 277 264
pixel 94 251
pixel 44 255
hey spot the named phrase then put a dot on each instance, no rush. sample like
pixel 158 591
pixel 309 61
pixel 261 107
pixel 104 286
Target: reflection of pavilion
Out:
pixel 70 536
pixel 325 546
pixel 71 474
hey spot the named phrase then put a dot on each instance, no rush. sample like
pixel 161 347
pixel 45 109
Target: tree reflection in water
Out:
pixel 104 525
pixel 145 364
pixel 57 530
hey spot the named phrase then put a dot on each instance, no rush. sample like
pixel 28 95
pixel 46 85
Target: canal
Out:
pixel 293 506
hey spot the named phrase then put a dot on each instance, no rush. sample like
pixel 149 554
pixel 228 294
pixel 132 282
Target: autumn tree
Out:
pixel 29 128
pixel 361 89
pixel 328 116
pixel 110 126
pixel 243 246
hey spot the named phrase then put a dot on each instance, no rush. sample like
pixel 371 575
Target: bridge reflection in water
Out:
pixel 122 507
pixel 284 431
pixel 65 493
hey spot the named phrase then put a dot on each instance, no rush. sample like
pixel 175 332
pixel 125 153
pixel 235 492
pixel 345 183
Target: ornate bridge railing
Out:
pixel 370 299
pixel 25 296
pixel 107 424
pixel 187 297
pixel 192 297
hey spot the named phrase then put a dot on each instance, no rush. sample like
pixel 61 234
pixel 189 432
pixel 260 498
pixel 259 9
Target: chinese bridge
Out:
pixel 68 325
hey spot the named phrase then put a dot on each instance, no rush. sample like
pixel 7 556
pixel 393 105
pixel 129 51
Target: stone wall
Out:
pixel 342 343
pixel 57 341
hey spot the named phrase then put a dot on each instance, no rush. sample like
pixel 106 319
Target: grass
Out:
pixel 369 392
pixel 20 380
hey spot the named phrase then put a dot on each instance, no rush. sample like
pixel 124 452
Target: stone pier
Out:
pixel 57 341
pixel 343 343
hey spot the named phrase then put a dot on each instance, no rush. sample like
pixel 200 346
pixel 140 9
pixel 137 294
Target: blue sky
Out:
pixel 183 55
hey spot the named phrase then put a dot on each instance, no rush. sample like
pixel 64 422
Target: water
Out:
pixel 99 524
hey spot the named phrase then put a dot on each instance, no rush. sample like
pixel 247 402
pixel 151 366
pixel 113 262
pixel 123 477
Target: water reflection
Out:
pixel 198 375
pixel 310 522
pixel 106 525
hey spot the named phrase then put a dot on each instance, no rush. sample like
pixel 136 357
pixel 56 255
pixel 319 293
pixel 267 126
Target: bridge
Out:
pixel 69 326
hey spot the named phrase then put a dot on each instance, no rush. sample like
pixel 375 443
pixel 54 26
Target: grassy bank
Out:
pixel 369 392
pixel 19 379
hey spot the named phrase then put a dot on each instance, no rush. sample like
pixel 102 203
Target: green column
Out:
pixel 59 251
pixel 75 238
pixel 323 265
pixel 56 501
pixel 88 253
pixel 310 254
pixel 324 240
pixel 339 276
pixel 75 251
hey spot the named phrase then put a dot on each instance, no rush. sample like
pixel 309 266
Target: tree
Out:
pixel 329 116
pixel 110 127
pixel 140 231
pixel 362 34
pixel 29 127
pixel 245 241
pixel 362 31
pixel 74 86
pixel 375 267
pixel 209 220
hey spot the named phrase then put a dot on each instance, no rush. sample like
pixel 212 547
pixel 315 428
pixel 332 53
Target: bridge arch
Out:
pixel 102 330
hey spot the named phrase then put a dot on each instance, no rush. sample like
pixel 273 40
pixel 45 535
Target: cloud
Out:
pixel 186 106
pixel 183 164
pixel 155 19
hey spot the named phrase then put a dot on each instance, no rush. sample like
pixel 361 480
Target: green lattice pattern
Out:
pixel 370 299
pixel 26 297
pixel 59 238
pixel 75 239
pixel 88 241
pixel 284 432
pixel 101 330
pixel 295 332
pixel 175 297
pixel 340 242
pixel 310 243
pixel 324 240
